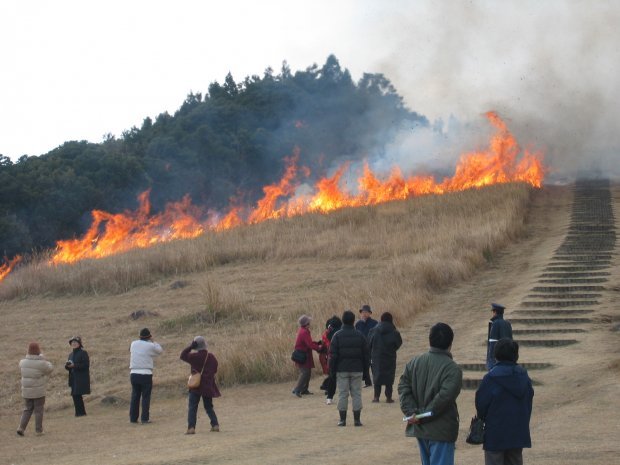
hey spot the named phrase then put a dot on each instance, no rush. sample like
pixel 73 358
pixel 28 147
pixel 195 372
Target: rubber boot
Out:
pixel 356 417
pixel 343 418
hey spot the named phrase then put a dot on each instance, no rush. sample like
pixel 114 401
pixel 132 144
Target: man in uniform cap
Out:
pixel 498 329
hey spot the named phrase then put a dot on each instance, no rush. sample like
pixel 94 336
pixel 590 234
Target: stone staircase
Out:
pixel 563 303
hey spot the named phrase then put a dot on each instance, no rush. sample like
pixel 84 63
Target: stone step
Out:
pixel 560 303
pixel 575 274
pixel 549 321
pixel 473 383
pixel 574 280
pixel 549 331
pixel 546 342
pixel 526 365
pixel 576 268
pixel 563 296
pixel 561 289
pixel 553 312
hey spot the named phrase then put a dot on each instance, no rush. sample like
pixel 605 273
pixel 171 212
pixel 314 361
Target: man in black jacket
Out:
pixel 349 359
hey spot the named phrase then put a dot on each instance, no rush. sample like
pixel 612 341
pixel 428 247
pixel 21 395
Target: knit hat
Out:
pixel 304 320
pixel 34 349
pixel 145 333
pixel 201 344
pixel 77 339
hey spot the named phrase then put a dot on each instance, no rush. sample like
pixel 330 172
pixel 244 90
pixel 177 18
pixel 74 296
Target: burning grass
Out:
pixel 248 285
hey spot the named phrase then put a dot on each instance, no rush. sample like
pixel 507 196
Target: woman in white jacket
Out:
pixel 34 370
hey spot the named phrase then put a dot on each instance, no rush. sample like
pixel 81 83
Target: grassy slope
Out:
pixel 262 422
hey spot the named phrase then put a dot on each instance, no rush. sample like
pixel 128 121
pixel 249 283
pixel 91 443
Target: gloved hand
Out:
pixel 193 345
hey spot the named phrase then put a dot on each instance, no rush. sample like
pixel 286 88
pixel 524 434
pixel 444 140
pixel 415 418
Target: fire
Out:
pixel 503 161
pixel 111 234
pixel 8 265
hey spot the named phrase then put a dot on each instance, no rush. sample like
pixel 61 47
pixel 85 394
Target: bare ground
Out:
pixel 574 419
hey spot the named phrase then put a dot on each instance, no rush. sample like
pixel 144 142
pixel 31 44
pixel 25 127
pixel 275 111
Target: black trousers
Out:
pixel 78 403
pixel 141 387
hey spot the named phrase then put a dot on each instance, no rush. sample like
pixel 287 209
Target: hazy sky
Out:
pixel 73 70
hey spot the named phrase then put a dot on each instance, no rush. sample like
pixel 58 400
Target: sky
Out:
pixel 76 70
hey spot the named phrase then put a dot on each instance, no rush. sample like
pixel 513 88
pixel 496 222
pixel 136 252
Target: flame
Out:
pixel 110 233
pixel 8 265
pixel 502 161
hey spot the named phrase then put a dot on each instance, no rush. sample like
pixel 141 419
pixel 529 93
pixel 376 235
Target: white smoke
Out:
pixel 550 69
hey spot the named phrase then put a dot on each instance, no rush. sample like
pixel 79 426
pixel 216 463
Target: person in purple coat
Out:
pixel 504 402
pixel 203 362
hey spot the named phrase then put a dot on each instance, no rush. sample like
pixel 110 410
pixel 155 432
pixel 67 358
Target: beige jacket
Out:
pixel 34 376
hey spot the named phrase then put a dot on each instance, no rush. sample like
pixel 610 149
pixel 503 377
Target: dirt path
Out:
pixel 574 406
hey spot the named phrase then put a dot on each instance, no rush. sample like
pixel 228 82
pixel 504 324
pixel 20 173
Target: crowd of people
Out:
pixel 429 385
pixel 35 370
pixel 349 352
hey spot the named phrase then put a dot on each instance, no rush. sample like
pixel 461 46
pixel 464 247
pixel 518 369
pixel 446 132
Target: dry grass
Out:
pixel 247 286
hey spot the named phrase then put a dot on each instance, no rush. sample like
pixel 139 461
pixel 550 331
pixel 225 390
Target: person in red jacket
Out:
pixel 304 343
pixel 203 362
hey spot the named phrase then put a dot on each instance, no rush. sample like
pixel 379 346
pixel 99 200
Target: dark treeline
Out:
pixel 231 140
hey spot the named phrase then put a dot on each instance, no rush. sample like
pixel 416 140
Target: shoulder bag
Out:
pixel 194 379
pixel 299 356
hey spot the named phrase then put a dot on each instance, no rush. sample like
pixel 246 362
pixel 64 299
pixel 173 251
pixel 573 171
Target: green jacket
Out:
pixel 432 382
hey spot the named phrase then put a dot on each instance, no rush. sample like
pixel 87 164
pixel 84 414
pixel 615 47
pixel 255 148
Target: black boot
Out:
pixel 343 418
pixel 356 417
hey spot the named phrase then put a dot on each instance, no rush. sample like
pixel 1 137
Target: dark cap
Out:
pixel 365 308
pixel 498 308
pixel 77 339
pixel 145 333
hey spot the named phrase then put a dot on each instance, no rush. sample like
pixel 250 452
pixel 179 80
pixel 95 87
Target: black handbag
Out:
pixel 299 356
pixel 476 431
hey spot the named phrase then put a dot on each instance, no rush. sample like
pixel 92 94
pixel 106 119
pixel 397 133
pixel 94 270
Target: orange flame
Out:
pixel 111 233
pixel 8 265
pixel 115 233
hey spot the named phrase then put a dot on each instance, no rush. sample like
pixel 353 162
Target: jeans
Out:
pixel 192 409
pixel 436 452
pixel 141 386
pixel 30 406
pixel 78 404
pixel 349 382
pixel 503 457
pixel 303 381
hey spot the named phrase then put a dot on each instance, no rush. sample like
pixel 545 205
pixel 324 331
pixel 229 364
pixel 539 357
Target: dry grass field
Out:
pixel 425 260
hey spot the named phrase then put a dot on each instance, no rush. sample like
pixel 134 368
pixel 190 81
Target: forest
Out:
pixel 227 143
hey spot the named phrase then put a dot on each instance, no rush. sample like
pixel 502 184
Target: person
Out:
pixel 304 343
pixel 498 329
pixel 366 321
pixel 349 359
pixel 364 325
pixel 78 366
pixel 201 361
pixel 34 370
pixel 329 383
pixel 141 364
pixel 504 402
pixel 430 384
pixel 384 340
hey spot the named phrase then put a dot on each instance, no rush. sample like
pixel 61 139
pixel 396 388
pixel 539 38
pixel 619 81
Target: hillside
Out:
pixel 227 142
pixel 261 423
